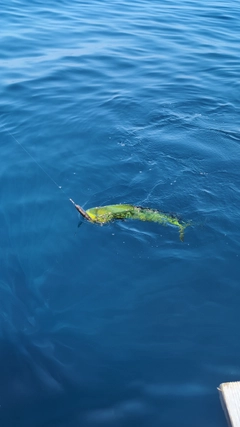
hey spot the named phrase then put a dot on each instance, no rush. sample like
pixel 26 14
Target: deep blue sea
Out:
pixel 109 102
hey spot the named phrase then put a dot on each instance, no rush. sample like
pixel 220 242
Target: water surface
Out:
pixel 118 103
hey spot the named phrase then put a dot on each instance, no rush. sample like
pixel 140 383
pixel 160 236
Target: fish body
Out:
pixel 105 214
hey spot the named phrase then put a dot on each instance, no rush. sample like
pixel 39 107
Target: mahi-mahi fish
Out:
pixel 105 214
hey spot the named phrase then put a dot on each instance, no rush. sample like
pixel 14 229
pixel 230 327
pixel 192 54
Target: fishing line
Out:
pixel 42 169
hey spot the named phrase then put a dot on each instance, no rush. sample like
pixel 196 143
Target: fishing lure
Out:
pixel 105 214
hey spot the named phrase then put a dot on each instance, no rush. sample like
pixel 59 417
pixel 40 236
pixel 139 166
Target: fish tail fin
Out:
pixel 182 229
pixel 181 233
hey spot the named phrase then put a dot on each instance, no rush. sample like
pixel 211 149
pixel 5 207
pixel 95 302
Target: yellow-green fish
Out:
pixel 105 214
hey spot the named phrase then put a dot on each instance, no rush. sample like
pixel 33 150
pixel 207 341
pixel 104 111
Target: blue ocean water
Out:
pixel 115 102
